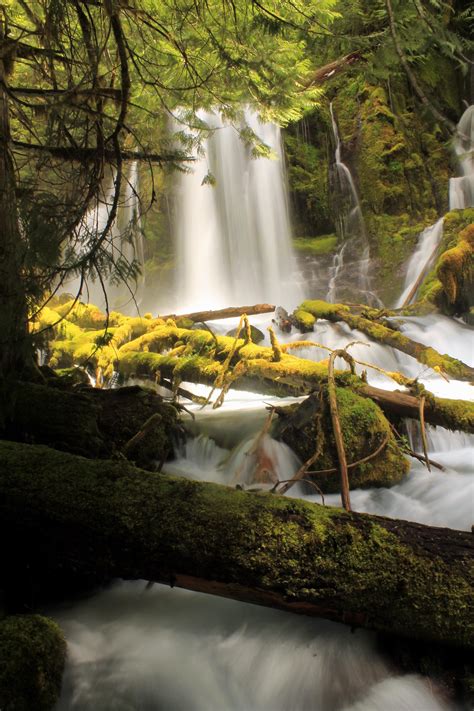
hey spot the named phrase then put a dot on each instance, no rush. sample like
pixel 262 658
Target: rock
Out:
pixel 257 335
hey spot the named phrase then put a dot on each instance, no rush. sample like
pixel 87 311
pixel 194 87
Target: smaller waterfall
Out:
pixel 349 274
pixel 124 244
pixel 461 195
pixel 421 261
pixel 461 189
pixel 234 238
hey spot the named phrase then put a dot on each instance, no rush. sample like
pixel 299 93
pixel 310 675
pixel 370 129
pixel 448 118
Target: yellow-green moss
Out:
pixel 450 284
pixel 317 246
pixel 322 309
pixel 32 657
pixel 304 320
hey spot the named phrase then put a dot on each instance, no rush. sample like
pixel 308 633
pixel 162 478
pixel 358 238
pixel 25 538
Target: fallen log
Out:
pixel 230 312
pixel 381 333
pixel 66 516
pixel 294 376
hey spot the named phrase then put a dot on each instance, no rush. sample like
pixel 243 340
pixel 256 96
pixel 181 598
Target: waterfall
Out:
pixel 124 243
pixel 234 237
pixel 461 195
pixel 421 261
pixel 461 189
pixel 349 274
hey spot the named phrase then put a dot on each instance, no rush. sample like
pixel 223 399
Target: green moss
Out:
pixel 450 284
pixel 322 309
pixel 317 246
pixel 364 428
pixel 304 320
pixel 32 657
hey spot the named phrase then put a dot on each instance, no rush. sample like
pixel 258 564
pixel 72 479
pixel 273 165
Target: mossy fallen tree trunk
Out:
pixel 296 376
pixel 68 516
pixel 382 333
pixel 153 349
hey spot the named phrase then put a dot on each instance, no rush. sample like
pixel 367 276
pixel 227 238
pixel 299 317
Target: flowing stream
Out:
pixel 141 649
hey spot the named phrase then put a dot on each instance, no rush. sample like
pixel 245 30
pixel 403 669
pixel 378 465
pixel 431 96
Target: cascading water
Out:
pixel 461 195
pixel 234 237
pixel 148 649
pixel 349 274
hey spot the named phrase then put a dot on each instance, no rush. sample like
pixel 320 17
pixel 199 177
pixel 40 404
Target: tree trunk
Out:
pixel 65 516
pixel 13 307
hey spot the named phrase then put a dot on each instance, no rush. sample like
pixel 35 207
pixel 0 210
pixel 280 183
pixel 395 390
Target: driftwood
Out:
pixel 230 312
pixel 66 517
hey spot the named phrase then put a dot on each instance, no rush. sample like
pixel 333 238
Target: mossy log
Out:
pixel 91 422
pixel 32 658
pixel 182 354
pixel 296 376
pixel 64 515
pixel 382 333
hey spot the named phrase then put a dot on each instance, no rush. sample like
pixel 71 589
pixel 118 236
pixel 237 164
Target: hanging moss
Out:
pixel 32 657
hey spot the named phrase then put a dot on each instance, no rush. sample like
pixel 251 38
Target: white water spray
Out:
pixel 234 238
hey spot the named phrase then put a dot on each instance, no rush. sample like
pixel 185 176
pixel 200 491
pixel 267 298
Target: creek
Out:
pixel 152 648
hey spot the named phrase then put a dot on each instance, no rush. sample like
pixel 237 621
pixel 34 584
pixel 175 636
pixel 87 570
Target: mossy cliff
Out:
pixel 32 657
pixel 116 520
pixel 399 157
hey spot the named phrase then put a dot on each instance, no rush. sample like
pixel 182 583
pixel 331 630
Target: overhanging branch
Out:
pixel 86 155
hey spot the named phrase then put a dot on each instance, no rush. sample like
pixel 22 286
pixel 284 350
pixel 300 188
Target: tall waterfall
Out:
pixel 234 237
pixel 461 195
pixel 349 274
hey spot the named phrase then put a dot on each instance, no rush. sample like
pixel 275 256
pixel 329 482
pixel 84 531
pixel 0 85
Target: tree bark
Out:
pixel 13 306
pixel 65 516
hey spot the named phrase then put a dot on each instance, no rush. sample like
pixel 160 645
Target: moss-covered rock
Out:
pixel 364 428
pixel 32 657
